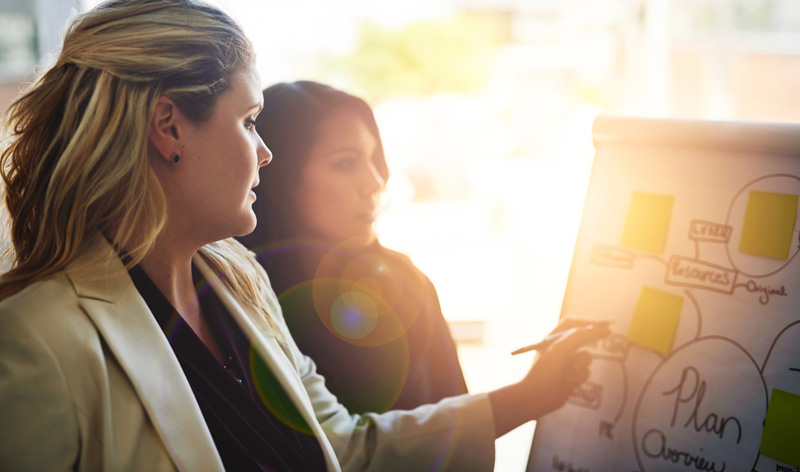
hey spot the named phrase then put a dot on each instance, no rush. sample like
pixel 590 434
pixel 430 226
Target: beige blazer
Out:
pixel 89 382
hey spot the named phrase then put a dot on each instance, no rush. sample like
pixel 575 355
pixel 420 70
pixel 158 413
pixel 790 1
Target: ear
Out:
pixel 164 128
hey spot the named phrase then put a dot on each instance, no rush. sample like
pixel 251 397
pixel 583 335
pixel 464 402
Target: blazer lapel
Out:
pixel 110 299
pixel 274 358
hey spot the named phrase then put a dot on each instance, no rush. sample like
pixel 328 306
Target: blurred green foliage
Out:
pixel 424 57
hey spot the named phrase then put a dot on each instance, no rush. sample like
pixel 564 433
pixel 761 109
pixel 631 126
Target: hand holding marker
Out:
pixel 552 337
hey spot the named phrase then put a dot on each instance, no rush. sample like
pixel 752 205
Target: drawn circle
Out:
pixel 782 364
pixel 781 371
pixel 703 407
pixel 751 265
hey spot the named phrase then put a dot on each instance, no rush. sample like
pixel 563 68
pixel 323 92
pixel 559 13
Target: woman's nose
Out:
pixel 263 153
pixel 374 182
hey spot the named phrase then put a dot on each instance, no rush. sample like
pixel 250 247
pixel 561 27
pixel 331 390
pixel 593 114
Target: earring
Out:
pixel 176 159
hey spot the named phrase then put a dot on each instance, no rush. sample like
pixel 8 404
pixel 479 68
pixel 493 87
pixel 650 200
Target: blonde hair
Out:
pixel 77 158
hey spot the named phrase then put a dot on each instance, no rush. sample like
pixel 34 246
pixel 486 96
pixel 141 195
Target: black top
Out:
pixel 253 422
pixel 372 323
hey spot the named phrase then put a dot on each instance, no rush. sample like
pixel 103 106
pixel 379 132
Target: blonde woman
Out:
pixel 135 334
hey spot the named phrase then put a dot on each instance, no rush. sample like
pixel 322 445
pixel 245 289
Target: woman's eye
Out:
pixel 346 164
pixel 250 123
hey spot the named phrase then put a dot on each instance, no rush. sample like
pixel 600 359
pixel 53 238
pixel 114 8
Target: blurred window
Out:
pixel 18 50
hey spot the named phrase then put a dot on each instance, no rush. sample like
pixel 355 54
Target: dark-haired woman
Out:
pixel 367 316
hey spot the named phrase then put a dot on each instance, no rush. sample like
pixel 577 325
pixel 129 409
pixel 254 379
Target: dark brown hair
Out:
pixel 289 125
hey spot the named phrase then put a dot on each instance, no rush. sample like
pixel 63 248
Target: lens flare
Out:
pixel 274 396
pixel 354 315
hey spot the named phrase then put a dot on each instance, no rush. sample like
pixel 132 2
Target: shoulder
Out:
pixel 46 325
pixel 44 319
pixel 38 327
pixel 41 302
pixel 402 263
pixel 399 257
pixel 50 314
pixel 42 329
pixel 396 258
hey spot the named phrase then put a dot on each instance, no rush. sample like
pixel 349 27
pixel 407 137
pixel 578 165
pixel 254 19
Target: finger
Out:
pixel 577 367
pixel 579 360
pixel 581 337
pixel 573 378
pixel 569 322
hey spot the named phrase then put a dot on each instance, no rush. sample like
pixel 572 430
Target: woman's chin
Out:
pixel 246 227
pixel 360 240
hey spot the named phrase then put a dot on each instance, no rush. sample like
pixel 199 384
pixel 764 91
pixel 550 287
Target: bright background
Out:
pixel 485 108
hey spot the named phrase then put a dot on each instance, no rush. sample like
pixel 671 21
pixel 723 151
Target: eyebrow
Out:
pixel 344 149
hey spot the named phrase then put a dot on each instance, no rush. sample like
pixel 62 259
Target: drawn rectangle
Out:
pixel 708 231
pixel 588 395
pixel 655 319
pixel 768 224
pixel 647 221
pixel 612 256
pixel 612 347
pixel 781 433
pixel 694 273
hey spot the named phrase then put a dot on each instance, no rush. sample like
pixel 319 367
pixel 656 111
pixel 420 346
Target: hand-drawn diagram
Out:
pixel 701 277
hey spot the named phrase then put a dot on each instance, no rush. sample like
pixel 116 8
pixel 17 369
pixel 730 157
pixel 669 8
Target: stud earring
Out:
pixel 176 159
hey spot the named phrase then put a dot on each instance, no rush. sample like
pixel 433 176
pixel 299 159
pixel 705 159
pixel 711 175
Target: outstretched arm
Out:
pixel 547 386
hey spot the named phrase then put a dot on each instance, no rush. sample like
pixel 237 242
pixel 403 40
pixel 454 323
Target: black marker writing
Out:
pixel 588 394
pixel 765 291
pixel 562 466
pixel 654 446
pixel 688 272
pixel 606 429
pixel 783 468
pixel 719 277
pixel 712 423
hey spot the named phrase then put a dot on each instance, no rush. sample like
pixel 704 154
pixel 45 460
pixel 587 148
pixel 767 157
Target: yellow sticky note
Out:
pixel 768 224
pixel 647 221
pixel 655 319
pixel 781 432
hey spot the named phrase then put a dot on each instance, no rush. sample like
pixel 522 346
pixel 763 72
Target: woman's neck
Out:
pixel 169 266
